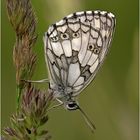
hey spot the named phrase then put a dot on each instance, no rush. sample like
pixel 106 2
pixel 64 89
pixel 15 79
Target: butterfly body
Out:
pixel 75 48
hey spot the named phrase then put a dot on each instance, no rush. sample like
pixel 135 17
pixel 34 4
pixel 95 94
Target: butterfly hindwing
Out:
pixel 75 48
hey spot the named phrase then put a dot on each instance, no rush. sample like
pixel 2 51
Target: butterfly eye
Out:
pixel 96 51
pixel 91 47
pixel 64 36
pixel 72 106
pixel 54 39
pixel 76 35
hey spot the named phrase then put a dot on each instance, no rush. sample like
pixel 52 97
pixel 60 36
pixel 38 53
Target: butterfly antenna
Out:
pixel 87 120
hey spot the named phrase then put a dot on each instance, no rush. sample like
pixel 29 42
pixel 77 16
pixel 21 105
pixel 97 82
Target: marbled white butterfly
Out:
pixel 75 48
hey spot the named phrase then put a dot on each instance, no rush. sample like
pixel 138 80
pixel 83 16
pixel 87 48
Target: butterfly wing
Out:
pixel 75 48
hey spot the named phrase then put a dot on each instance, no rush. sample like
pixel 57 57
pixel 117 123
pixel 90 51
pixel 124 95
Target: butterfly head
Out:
pixel 71 105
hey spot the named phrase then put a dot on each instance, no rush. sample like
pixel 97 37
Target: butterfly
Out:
pixel 75 48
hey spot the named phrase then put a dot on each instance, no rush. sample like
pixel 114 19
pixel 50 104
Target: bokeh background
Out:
pixel 111 100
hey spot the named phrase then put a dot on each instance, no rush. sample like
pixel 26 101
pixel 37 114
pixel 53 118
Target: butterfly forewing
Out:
pixel 75 48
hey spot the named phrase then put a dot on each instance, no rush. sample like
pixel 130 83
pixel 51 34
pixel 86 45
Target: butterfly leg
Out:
pixel 55 106
pixel 38 81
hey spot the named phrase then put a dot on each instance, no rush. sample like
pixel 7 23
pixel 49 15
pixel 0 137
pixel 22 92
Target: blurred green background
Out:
pixel 111 100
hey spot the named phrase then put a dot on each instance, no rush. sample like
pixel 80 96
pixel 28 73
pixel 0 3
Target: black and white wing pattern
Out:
pixel 75 48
